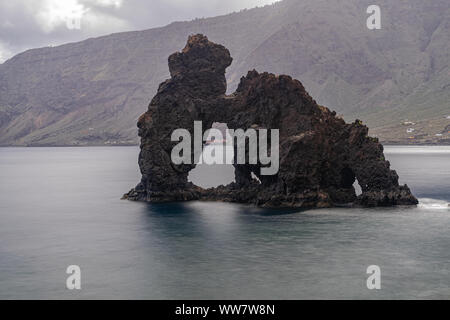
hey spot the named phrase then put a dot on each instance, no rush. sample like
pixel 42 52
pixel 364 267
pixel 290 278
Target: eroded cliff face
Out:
pixel 320 155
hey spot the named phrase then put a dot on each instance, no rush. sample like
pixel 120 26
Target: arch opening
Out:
pixel 358 189
pixel 206 175
pixel 347 178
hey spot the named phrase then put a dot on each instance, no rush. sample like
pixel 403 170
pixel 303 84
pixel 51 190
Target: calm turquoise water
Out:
pixel 60 207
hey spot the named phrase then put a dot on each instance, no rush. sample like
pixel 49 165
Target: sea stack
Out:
pixel 320 155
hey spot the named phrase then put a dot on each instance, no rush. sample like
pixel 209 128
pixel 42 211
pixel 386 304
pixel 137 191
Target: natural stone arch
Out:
pixel 315 145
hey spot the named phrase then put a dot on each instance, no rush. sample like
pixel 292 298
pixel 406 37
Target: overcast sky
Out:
pixel 26 24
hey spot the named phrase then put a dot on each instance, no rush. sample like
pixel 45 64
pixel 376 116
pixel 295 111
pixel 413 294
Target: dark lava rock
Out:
pixel 320 155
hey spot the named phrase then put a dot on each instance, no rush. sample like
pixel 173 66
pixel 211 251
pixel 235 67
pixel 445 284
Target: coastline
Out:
pixel 385 144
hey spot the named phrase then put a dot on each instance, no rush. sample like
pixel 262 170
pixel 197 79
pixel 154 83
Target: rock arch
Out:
pixel 316 147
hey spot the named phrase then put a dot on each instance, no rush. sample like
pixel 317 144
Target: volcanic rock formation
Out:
pixel 320 155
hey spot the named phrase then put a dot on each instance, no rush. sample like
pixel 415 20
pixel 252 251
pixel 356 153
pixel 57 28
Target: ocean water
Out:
pixel 61 207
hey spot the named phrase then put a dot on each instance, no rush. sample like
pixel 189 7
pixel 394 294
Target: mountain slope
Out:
pixel 92 92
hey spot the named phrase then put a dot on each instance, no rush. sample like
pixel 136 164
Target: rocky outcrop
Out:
pixel 320 155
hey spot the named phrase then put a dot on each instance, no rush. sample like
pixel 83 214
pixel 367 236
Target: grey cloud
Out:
pixel 22 21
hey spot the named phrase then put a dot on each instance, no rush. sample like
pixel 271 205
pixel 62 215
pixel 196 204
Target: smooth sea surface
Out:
pixel 61 207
